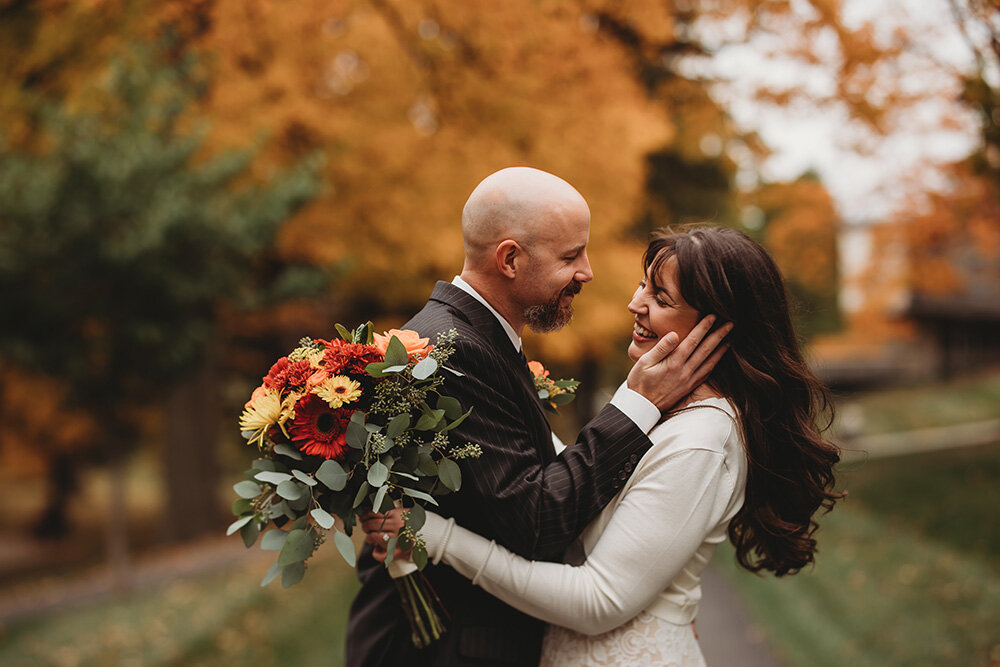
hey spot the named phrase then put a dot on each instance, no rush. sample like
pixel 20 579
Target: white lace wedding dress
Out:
pixel 642 642
pixel 634 584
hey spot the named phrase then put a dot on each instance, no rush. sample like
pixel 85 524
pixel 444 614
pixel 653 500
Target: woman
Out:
pixel 742 455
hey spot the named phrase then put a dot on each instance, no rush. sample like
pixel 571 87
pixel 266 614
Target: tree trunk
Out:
pixel 191 467
pixel 62 483
pixel 116 536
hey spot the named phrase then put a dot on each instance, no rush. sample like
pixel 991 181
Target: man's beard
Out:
pixel 552 316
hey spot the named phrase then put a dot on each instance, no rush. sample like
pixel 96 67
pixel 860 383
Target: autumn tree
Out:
pixel 119 242
pixel 954 234
pixel 799 226
pixel 414 103
pixel 950 227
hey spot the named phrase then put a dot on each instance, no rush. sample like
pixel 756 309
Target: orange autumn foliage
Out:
pixel 37 421
pixel 801 232
pixel 413 103
pixel 954 238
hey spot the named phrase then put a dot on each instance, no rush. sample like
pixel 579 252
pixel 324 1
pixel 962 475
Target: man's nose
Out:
pixel 585 273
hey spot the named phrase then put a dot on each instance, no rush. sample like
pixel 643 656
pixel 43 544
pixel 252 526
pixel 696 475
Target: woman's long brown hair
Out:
pixel 780 402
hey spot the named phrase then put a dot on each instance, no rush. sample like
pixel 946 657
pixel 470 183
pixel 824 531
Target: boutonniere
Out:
pixel 552 393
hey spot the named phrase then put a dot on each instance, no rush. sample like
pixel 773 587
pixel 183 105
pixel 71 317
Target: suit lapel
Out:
pixel 486 323
pixel 481 319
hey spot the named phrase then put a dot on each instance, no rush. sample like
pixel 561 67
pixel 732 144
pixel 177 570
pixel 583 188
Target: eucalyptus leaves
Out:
pixel 345 427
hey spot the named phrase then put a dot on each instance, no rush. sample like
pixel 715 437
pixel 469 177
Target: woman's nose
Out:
pixel 636 305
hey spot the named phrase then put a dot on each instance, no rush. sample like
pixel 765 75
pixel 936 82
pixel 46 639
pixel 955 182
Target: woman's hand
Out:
pixel 379 529
pixel 673 368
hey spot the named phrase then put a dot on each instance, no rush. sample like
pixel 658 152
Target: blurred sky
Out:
pixel 866 175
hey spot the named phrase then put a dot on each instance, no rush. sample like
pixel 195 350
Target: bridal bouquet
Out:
pixel 344 427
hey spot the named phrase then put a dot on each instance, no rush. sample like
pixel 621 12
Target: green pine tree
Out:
pixel 120 240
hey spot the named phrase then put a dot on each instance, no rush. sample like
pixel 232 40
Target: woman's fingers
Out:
pixel 380 554
pixel 704 354
pixel 693 341
pixel 708 365
pixel 671 370
pixel 373 521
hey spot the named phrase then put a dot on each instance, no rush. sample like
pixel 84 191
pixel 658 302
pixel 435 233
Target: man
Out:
pixel 525 234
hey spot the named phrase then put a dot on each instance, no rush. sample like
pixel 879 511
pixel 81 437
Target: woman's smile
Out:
pixel 641 333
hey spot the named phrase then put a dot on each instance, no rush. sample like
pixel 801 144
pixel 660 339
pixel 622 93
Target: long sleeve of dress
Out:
pixel 532 505
pixel 661 521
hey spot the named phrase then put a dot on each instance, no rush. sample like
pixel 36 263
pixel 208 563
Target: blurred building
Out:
pixel 899 334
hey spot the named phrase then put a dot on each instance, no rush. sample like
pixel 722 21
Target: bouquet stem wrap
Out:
pixel 421 604
pixel 423 608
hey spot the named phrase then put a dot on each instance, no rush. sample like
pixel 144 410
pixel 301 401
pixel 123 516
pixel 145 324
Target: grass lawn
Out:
pixel 967 399
pixel 221 619
pixel 908 571
pixel 908 574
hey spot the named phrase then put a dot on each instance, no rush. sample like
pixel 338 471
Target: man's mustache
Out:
pixel 572 289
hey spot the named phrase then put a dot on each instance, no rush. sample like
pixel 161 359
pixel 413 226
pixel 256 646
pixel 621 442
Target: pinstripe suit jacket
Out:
pixel 517 493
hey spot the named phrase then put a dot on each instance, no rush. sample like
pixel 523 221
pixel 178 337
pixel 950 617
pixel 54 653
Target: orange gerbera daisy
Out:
pixel 318 430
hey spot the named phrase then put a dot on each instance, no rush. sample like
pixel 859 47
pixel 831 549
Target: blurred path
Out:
pixel 922 440
pixel 22 602
pixel 726 633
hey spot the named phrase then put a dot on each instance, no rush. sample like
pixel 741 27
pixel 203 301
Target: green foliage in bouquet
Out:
pixel 397 449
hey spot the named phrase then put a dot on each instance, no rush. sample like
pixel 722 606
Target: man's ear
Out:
pixel 507 253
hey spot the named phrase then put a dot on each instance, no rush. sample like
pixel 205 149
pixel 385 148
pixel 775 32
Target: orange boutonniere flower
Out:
pixel 552 393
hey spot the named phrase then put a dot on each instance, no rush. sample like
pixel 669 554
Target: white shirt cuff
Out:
pixel 637 408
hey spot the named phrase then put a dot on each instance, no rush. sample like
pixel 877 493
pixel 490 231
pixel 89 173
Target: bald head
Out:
pixel 516 203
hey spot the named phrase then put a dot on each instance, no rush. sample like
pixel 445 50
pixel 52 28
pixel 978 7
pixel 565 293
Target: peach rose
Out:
pixel 537 369
pixel 416 347
pixel 257 393
pixel 316 379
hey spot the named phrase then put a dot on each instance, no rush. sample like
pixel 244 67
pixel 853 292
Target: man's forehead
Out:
pixel 566 238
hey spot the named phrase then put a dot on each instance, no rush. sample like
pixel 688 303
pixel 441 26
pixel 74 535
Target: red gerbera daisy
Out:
pixel 344 357
pixel 285 374
pixel 318 430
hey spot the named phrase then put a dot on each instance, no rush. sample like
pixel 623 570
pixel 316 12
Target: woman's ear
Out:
pixel 507 253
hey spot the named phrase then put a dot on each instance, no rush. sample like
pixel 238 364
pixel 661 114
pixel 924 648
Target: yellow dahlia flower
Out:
pixel 266 410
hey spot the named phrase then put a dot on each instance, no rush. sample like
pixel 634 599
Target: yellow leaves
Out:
pixel 414 103
pixel 801 232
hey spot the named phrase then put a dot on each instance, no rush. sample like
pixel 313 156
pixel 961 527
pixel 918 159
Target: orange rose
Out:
pixel 257 393
pixel 537 369
pixel 416 347
pixel 316 379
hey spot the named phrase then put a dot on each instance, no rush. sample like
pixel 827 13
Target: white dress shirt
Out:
pixel 634 405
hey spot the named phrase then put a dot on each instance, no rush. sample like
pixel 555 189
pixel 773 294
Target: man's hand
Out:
pixel 379 529
pixel 670 371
